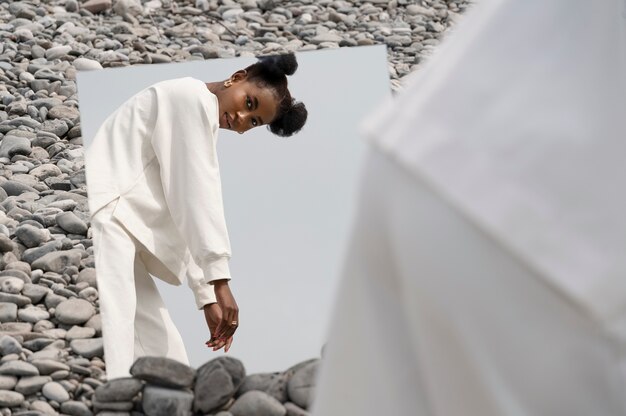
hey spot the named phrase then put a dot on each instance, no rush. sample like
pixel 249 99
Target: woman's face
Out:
pixel 244 105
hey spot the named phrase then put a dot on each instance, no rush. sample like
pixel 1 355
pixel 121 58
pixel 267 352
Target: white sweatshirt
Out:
pixel 157 154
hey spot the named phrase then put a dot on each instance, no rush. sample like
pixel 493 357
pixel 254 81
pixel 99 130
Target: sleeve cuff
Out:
pixel 204 295
pixel 216 269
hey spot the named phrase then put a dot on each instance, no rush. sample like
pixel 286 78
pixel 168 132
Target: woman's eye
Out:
pixel 254 122
pixel 248 102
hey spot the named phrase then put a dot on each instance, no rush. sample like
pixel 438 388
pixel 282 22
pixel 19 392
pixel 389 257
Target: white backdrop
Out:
pixel 288 202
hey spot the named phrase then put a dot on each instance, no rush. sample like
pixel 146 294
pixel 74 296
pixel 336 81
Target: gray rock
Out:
pixel 75 408
pixel 33 254
pixel 54 391
pixel 35 292
pixel 114 406
pixel 57 261
pixel 7 382
pixel 31 385
pixel 95 322
pixel 45 171
pixel 74 311
pixel 63 112
pixel 295 410
pixel 79 332
pixel 9 345
pixel 163 371
pixel 10 398
pixel 15 188
pixel 11 285
pixel 5 242
pixel 258 403
pixel 18 368
pixel 216 382
pixel 43 407
pixel 32 314
pixel 46 366
pixel 161 401
pixel 57 52
pixel 302 385
pixel 71 223
pixel 19 300
pixel 14 145
pixel 8 312
pixel 89 348
pixel 119 389
pixel 88 275
pixel 85 64
pixel 90 294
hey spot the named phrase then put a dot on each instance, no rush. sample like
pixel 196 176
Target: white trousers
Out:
pixel 434 317
pixel 135 321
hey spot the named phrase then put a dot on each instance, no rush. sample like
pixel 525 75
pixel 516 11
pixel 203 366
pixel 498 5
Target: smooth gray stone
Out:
pixel 10 398
pixel 18 368
pixel 5 242
pixel 15 188
pixel 79 332
pixel 75 408
pixel 74 311
pixel 32 314
pixel 45 171
pixel 14 145
pixel 57 261
pixel 31 385
pixel 71 223
pixel 161 401
pixel 302 385
pixel 32 254
pixel 88 275
pixel 163 371
pixel 7 382
pixel 89 293
pixel 35 292
pixel 115 406
pixel 19 300
pixel 16 327
pixel 91 347
pixel 54 391
pixel 216 382
pixel 95 322
pixel 47 366
pixel 38 343
pixel 8 312
pixel 52 300
pixel 42 406
pixel 119 389
pixel 9 345
pixel 257 403
pixel 295 410
pixel 9 284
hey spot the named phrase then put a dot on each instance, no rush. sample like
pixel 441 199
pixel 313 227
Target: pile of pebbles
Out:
pixel 51 358
pixel 164 387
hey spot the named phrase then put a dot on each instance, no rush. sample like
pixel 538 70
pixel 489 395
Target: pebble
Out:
pixel 18 368
pixel 75 408
pixel 74 311
pixel 163 371
pixel 71 223
pixel 32 314
pixel 57 261
pixel 301 386
pixel 89 348
pixel 31 385
pixel 11 285
pixel 10 398
pixel 9 345
pixel 119 389
pixel 53 390
pixel 8 312
pixel 79 332
pixel 161 401
pixel 257 403
pixel 216 383
pixel 7 382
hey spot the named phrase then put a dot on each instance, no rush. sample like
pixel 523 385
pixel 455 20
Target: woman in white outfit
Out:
pixel 156 205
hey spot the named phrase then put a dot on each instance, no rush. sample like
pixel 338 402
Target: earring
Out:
pixel 228 83
pixel 240 132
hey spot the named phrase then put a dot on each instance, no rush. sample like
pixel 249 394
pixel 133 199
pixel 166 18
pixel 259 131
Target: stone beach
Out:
pixel 51 353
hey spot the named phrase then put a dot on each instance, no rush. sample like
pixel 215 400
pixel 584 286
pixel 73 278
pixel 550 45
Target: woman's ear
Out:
pixel 239 75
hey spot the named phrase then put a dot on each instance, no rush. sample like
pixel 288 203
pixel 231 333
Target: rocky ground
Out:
pixel 50 335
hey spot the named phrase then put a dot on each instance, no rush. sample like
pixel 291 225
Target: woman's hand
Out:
pixel 213 316
pixel 230 311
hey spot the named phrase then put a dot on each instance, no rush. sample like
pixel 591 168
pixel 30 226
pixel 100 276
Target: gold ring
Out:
pixel 233 323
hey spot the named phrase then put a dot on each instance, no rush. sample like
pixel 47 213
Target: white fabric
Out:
pixel 157 154
pixel 135 321
pixel 486 271
pixel 435 318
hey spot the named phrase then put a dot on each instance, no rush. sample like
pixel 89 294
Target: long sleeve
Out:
pixel 203 292
pixel 184 133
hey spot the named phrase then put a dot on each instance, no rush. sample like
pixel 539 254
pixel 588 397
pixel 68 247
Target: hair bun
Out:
pixel 285 64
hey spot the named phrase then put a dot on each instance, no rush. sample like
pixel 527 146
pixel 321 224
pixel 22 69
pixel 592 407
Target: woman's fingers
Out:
pixel 228 344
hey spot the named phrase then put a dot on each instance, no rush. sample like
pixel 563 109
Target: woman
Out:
pixel 155 198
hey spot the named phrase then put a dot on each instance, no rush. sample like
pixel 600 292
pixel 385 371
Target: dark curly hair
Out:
pixel 271 72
